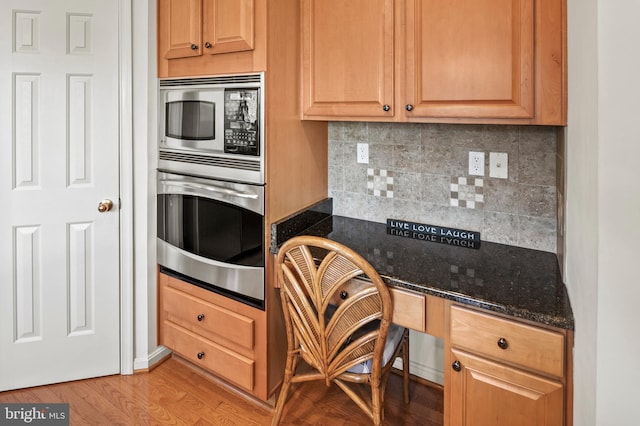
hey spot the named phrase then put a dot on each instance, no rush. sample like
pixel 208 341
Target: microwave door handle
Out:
pixel 212 188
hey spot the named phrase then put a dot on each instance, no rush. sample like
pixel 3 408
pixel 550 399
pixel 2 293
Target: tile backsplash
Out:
pixel 419 173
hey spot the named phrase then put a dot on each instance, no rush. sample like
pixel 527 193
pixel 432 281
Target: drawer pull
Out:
pixel 502 343
pixel 200 317
pixel 200 355
pixel 456 365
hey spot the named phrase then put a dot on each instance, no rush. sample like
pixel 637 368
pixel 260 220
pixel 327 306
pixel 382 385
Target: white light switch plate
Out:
pixel 498 165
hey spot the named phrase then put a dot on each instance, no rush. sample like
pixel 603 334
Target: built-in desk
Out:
pixel 503 312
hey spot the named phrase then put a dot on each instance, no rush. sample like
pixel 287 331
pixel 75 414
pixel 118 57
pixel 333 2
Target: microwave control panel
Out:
pixel 242 121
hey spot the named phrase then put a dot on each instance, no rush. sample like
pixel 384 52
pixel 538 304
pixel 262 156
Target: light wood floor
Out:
pixel 175 394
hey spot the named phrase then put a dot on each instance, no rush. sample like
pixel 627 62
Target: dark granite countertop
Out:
pixel 515 281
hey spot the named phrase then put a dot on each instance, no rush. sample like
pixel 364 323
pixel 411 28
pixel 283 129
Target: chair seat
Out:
pixel 393 340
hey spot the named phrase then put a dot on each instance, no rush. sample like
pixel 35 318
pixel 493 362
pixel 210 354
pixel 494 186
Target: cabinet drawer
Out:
pixel 209 355
pixel 205 318
pixel 409 309
pixel 510 341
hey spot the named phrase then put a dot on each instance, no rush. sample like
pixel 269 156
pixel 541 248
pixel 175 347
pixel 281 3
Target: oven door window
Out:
pixel 211 229
pixel 190 120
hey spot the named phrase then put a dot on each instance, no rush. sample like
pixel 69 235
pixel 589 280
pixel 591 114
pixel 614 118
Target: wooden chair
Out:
pixel 338 314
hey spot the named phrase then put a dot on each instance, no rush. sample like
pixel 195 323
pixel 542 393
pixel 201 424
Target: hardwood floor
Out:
pixel 175 394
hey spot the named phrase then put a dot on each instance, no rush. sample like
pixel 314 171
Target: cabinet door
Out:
pixel 179 28
pixel 487 393
pixel 348 58
pixel 228 25
pixel 470 58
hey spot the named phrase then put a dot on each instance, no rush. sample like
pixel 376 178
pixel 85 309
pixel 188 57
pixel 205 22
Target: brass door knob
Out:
pixel 105 205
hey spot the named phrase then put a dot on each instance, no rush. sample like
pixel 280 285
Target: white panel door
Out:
pixel 59 130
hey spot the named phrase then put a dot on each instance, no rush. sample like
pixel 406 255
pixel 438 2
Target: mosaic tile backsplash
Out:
pixel 419 173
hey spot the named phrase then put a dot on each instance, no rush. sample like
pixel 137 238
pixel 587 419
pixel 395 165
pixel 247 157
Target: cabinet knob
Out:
pixel 200 355
pixel 194 47
pixel 409 107
pixel 456 365
pixel 343 295
pixel 200 317
pixel 502 343
pixel 207 45
pixel 386 107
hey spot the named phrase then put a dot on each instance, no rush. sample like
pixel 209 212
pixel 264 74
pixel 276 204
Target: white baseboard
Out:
pixel 427 372
pixel 154 357
pixel 423 371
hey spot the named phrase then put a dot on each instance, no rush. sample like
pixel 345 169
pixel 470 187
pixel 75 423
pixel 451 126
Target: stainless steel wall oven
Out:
pixel 210 184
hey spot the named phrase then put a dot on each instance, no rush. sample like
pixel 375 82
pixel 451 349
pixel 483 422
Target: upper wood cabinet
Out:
pixel 476 61
pixel 190 29
pixel 227 25
pixel 348 58
pixel 181 24
pixel 470 58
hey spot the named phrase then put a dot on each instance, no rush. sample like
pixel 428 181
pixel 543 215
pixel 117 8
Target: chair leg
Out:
pixel 284 389
pixel 405 366
pixel 377 402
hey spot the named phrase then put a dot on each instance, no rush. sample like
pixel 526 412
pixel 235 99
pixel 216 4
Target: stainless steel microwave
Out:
pixel 212 127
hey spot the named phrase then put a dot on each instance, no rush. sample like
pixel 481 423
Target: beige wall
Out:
pixel 603 208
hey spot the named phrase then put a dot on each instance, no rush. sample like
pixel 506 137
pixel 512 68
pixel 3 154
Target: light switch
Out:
pixel 498 165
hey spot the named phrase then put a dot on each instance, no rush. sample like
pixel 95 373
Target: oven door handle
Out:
pixel 212 188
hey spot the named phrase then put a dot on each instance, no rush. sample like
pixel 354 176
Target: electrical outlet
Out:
pixel 476 163
pixel 498 165
pixel 362 152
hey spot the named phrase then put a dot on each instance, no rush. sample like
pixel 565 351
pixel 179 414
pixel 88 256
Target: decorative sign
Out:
pixel 433 233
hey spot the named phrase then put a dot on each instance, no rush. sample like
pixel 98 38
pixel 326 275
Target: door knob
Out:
pixel 105 205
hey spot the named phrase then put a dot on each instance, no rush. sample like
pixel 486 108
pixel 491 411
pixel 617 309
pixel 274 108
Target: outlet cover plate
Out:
pixel 476 163
pixel 362 153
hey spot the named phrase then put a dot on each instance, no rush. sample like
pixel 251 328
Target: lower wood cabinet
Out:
pixel 215 333
pixel 499 371
pixel 484 392
pixel 505 372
